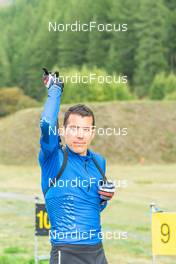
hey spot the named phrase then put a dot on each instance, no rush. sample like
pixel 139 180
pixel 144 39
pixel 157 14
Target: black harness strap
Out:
pixel 100 169
pixel 65 158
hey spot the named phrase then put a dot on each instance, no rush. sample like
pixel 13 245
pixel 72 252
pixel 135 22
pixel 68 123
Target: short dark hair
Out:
pixel 79 109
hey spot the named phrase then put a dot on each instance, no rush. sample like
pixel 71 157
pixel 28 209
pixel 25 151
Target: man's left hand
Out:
pixel 106 190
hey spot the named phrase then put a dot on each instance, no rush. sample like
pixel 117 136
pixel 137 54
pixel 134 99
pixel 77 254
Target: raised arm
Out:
pixel 50 138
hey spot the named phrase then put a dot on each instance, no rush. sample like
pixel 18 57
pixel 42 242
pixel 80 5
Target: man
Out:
pixel 73 181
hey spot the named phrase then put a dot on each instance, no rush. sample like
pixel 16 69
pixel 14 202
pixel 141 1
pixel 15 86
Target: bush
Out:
pixel 13 99
pixel 171 96
pixel 171 84
pixel 158 87
pixel 163 86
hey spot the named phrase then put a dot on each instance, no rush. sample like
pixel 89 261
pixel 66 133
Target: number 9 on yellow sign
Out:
pixel 164 233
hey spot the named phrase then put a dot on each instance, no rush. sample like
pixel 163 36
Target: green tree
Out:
pixel 171 40
pixel 123 44
pixel 4 67
pixel 98 39
pixel 73 44
pixel 41 52
pixel 4 58
pixel 151 52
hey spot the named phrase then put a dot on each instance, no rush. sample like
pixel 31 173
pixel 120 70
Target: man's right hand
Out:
pixel 50 78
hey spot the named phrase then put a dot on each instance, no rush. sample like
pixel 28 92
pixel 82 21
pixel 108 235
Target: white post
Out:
pixel 152 210
pixel 153 259
pixel 36 250
pixel 36 240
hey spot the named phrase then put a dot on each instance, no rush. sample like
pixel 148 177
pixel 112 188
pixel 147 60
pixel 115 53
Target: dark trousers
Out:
pixel 77 254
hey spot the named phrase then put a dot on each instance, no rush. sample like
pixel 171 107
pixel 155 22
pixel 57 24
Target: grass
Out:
pixel 127 212
pixel 150 125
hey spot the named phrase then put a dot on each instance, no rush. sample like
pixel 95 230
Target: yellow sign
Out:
pixel 164 233
pixel 42 224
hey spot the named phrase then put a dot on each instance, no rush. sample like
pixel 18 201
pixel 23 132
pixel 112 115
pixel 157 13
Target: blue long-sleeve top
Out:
pixel 73 203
